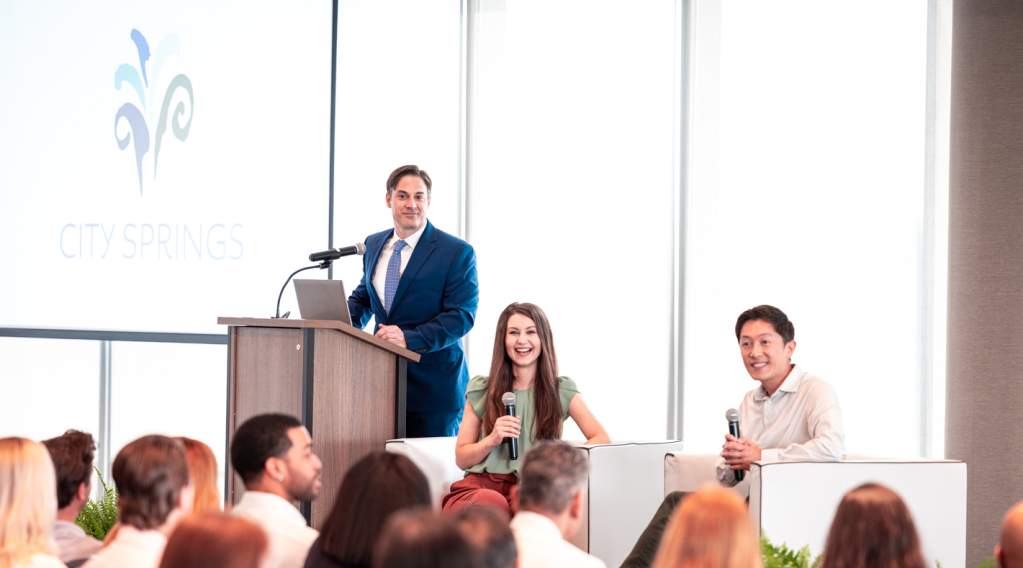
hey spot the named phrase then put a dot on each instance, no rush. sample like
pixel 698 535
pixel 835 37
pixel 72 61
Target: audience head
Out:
pixel 1009 550
pixel 213 538
pixel 374 488
pixel 202 470
pixel 766 344
pixel 422 539
pixel 274 453
pixel 710 529
pixel 73 453
pixel 487 530
pixel 151 476
pixel 551 482
pixel 524 338
pixel 28 503
pixel 872 528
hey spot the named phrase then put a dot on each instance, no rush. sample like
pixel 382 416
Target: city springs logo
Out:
pixel 144 81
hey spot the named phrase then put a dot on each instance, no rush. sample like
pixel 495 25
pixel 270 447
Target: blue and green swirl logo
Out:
pixel 144 85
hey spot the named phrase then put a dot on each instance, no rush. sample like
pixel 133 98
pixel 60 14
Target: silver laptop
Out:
pixel 322 300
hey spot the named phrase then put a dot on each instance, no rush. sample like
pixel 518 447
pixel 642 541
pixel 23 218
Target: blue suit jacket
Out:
pixel 435 305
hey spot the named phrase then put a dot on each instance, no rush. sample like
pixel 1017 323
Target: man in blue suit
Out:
pixel 419 284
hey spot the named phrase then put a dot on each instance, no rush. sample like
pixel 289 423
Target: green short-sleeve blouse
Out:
pixel 497 460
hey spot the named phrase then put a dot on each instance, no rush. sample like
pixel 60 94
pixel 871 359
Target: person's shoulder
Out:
pixel 813 385
pixel 567 384
pixel 477 383
pixel 447 239
pixel 380 237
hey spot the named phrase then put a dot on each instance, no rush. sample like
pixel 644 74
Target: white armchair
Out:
pixel 625 486
pixel 794 502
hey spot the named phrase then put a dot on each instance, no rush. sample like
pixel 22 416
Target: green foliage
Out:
pixel 781 556
pixel 987 563
pixel 98 517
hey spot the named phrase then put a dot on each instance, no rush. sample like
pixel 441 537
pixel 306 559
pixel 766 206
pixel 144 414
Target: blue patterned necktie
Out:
pixel 393 274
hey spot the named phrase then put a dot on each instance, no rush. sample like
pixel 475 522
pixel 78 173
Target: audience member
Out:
pixel 151 476
pixel 1009 550
pixel 375 487
pixel 523 363
pixel 72 453
pixel 28 505
pixel 202 470
pixel 872 529
pixel 213 539
pixel 273 454
pixel 423 539
pixel 711 529
pixel 551 507
pixel 487 530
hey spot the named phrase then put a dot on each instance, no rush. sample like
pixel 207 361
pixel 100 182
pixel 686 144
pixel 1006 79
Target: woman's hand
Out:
pixel 504 427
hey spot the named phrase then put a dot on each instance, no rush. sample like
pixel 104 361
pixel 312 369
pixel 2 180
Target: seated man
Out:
pixel 551 507
pixel 1009 550
pixel 273 455
pixel 72 453
pixel 153 493
pixel 792 415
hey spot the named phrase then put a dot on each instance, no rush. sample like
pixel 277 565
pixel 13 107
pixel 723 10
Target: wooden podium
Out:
pixel 347 387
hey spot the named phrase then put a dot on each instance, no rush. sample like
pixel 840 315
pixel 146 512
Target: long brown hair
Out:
pixel 547 418
pixel 872 528
pixel 710 529
pixel 215 539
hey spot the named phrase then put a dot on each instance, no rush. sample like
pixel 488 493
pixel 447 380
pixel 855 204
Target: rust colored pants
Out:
pixel 491 489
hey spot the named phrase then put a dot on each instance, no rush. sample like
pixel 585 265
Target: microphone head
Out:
pixel 360 248
pixel 508 399
pixel 732 415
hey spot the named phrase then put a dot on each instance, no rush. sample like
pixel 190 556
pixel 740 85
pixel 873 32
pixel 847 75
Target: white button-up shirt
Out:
pixel 800 421
pixel 540 544
pixel 72 542
pixel 380 271
pixel 290 537
pixel 131 548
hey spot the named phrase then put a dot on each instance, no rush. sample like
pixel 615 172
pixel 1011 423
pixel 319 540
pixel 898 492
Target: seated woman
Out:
pixel 28 505
pixel 872 527
pixel 711 528
pixel 523 363
pixel 212 538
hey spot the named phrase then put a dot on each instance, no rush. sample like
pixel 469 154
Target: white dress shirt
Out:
pixel 290 537
pixel 801 421
pixel 540 544
pixel 72 542
pixel 40 560
pixel 131 548
pixel 380 271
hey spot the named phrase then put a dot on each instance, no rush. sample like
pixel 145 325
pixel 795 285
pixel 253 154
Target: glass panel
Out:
pixel 571 191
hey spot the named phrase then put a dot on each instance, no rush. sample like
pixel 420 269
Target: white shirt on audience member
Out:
pixel 72 542
pixel 380 271
pixel 290 536
pixel 40 560
pixel 801 421
pixel 131 548
pixel 540 544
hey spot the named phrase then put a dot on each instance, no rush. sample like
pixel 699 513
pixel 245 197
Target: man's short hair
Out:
pixel 486 529
pixel 73 453
pixel 771 315
pixel 553 472
pixel 421 538
pixel 258 439
pixel 408 170
pixel 149 474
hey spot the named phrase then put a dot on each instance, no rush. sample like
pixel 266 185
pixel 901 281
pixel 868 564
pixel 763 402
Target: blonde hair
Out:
pixel 710 529
pixel 28 501
pixel 202 469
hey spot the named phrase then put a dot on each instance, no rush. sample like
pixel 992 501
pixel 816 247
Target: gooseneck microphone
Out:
pixel 508 400
pixel 732 415
pixel 334 254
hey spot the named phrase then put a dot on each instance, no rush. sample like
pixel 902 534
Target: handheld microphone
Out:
pixel 732 415
pixel 508 400
pixel 334 254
